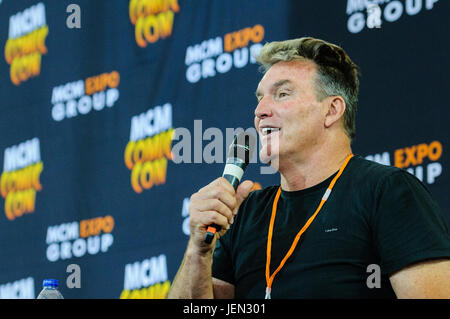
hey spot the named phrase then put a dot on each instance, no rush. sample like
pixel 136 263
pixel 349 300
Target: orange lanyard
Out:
pixel 269 278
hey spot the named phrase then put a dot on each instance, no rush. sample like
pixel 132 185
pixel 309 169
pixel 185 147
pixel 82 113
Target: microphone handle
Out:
pixel 213 228
pixel 234 181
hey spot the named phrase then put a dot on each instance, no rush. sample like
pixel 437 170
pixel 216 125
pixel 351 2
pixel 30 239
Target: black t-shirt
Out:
pixel 375 215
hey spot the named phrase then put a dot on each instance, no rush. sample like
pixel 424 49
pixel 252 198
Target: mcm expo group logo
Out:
pixel 80 97
pixel 79 238
pixel 420 160
pixel 219 55
pixel 373 13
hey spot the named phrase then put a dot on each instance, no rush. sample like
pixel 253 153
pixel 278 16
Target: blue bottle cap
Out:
pixel 50 283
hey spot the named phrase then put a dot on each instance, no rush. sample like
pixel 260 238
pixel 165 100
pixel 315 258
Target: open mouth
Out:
pixel 269 130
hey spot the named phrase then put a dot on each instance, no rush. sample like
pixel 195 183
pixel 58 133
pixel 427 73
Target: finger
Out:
pixel 219 182
pixel 213 204
pixel 242 192
pixel 208 218
pixel 221 190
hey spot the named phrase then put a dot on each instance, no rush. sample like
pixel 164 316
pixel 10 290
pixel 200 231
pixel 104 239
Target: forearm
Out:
pixel 193 279
pixel 216 203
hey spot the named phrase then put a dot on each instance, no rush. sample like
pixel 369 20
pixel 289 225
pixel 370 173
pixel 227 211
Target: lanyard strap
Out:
pixel 270 278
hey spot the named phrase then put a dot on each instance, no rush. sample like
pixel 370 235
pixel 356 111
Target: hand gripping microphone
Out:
pixel 239 155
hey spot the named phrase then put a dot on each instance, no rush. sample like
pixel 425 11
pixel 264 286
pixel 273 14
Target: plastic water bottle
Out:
pixel 50 290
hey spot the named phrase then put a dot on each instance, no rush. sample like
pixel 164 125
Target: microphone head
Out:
pixel 242 147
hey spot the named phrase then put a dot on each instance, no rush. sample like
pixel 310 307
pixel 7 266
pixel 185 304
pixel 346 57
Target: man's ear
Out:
pixel 336 108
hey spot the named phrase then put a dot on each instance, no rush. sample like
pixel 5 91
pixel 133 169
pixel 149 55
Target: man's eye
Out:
pixel 282 94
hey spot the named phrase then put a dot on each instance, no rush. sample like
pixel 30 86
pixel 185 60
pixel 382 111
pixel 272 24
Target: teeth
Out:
pixel 268 130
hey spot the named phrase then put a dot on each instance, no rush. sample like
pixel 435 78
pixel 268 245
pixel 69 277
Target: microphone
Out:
pixel 239 154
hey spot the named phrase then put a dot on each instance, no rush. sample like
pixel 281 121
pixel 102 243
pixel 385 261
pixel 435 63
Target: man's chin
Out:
pixel 271 159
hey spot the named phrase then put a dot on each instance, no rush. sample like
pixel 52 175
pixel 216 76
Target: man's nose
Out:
pixel 263 109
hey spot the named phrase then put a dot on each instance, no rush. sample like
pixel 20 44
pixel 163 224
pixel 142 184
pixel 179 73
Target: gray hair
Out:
pixel 337 74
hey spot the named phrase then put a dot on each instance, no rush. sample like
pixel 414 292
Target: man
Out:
pixel 337 226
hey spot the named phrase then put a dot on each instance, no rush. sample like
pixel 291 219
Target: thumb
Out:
pixel 242 192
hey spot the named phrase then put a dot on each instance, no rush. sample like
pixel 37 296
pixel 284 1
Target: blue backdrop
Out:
pixel 90 176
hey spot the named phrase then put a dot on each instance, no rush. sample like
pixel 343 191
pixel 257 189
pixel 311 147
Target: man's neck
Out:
pixel 313 169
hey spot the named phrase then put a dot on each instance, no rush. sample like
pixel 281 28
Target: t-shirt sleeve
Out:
pixel 222 266
pixel 408 224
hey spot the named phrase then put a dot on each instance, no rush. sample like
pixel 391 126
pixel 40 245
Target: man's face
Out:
pixel 288 118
